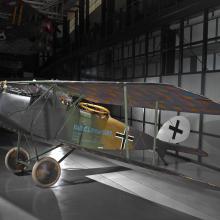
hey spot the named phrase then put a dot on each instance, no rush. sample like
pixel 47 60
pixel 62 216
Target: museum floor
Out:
pixel 93 187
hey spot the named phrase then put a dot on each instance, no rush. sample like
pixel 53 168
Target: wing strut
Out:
pixel 126 120
pixel 155 132
pixel 18 145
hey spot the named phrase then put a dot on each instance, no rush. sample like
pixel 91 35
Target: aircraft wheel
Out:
pixel 46 172
pixel 10 160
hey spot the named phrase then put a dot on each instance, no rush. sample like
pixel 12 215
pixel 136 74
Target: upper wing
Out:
pixel 139 95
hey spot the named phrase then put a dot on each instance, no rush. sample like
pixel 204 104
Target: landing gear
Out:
pixel 46 172
pixel 13 157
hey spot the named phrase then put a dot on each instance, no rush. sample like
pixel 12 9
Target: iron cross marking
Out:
pixel 176 129
pixel 122 136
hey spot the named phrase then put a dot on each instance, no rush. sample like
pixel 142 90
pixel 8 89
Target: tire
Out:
pixel 10 160
pixel 46 172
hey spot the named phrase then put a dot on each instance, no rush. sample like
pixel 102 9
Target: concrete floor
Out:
pixel 93 187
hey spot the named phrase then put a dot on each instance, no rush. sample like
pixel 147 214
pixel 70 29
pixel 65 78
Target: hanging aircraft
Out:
pixel 69 113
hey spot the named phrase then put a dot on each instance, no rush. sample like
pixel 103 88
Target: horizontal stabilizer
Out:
pixel 144 141
pixel 187 150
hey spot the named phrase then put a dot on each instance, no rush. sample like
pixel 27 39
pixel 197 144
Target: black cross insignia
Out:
pixel 175 129
pixel 122 136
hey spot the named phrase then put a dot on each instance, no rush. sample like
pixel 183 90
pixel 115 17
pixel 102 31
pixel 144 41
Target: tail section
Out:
pixel 173 132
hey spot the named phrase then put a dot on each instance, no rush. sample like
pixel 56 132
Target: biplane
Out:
pixel 71 113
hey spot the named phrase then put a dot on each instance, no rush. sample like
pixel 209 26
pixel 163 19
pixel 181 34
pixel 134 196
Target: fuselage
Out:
pixel 43 114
